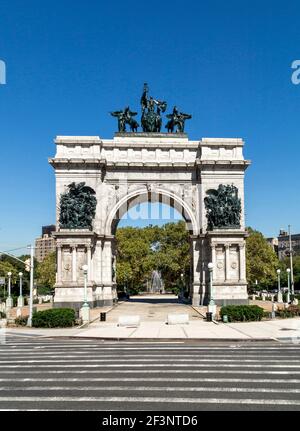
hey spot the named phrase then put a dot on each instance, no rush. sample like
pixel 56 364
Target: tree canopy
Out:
pixel 46 271
pixel 262 261
pixel 143 250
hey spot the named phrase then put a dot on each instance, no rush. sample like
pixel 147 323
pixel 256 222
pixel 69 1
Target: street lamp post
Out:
pixel 279 294
pixel 291 261
pixel 9 300
pixel 21 299
pixel 211 306
pixel 85 309
pixel 182 285
pixel 289 286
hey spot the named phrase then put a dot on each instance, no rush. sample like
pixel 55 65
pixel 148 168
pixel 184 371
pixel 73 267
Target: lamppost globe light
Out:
pixel 278 271
pixel 20 274
pixel 210 266
pixel 288 270
pixel 9 274
pixel 85 268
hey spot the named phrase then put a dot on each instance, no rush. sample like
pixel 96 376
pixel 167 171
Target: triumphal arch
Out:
pixel 98 180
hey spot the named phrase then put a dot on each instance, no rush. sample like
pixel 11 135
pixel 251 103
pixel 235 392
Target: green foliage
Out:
pixel 296 268
pixel 54 318
pixel 2 315
pixel 140 251
pixel 262 261
pixel 291 311
pixel 21 321
pixel 242 313
pixel 46 271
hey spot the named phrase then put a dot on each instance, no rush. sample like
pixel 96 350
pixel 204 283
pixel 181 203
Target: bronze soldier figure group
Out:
pixel 223 208
pixel 151 120
pixel 77 207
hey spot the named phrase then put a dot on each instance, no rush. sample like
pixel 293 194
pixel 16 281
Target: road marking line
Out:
pixel 161 365
pixel 151 388
pixel 155 379
pixel 166 362
pixel 179 348
pixel 264 358
pixel 153 400
pixel 114 371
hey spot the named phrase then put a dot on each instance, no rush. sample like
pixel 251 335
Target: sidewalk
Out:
pixel 277 329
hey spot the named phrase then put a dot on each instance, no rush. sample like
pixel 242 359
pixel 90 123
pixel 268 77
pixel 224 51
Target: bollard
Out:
pixel 209 317
pixel 102 317
pixel 225 318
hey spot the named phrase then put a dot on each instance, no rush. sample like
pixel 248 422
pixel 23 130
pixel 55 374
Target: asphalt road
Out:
pixel 59 374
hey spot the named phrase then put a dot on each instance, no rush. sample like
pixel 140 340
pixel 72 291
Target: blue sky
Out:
pixel 70 63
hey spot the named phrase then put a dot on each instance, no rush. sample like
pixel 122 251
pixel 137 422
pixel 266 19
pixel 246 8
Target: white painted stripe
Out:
pixel 155 379
pixel 195 361
pixel 265 358
pixel 161 365
pixel 152 400
pixel 151 388
pixel 103 347
pixel 114 371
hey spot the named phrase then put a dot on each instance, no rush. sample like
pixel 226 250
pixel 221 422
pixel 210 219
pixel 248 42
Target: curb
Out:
pixel 164 340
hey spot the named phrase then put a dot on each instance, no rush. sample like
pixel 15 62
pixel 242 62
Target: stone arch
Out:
pixel 152 195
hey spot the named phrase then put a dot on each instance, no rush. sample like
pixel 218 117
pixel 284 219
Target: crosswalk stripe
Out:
pixel 129 399
pixel 146 360
pixel 263 358
pixel 151 389
pixel 138 365
pixel 155 379
pixel 150 371
pixel 96 346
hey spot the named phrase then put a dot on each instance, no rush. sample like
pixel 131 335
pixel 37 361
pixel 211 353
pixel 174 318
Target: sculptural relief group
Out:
pixel 151 119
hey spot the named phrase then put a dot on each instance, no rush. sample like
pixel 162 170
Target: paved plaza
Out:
pixel 152 308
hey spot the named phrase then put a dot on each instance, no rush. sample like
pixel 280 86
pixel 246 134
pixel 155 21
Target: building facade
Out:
pixel 45 244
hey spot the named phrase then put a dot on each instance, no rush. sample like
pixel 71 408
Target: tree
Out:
pixel 262 261
pixel 141 251
pixel 296 268
pixel 46 271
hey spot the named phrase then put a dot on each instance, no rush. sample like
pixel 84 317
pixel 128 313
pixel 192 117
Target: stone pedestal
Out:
pixel 9 303
pixel 212 308
pixel 85 314
pixel 21 301
pixel 226 251
pixel 19 312
pixel 279 298
pixel 76 248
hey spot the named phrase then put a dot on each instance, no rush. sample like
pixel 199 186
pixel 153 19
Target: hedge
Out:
pixel 21 321
pixel 291 311
pixel 242 313
pixel 54 318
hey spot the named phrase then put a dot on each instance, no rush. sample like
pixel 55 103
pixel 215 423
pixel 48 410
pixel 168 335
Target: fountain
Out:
pixel 157 285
